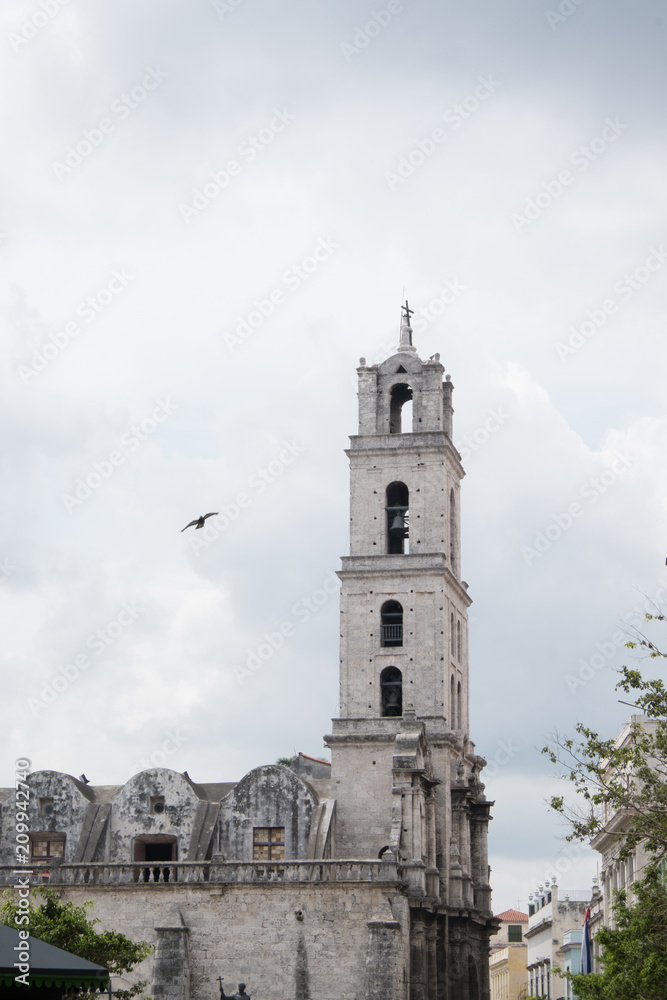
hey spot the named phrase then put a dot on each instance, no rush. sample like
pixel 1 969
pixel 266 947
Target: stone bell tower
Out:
pixel 405 776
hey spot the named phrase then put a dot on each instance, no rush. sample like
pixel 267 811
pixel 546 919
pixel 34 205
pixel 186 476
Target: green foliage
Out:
pixel 634 957
pixel 287 761
pixel 631 778
pixel 67 926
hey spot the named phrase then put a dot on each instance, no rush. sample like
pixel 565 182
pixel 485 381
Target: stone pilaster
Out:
pixel 383 965
pixel 171 968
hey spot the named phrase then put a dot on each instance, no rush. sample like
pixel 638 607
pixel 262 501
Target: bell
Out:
pixel 397 525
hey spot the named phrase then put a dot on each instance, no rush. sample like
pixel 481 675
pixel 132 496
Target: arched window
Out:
pixel 391 687
pixel 392 624
pixel 458 639
pixel 458 705
pixel 452 531
pixel 452 704
pixel 400 395
pixel 452 640
pixel 398 498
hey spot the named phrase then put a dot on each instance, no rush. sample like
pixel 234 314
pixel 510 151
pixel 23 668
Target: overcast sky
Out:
pixel 169 333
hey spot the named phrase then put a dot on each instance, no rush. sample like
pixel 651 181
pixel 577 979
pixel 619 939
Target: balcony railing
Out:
pixel 392 635
pixel 217 872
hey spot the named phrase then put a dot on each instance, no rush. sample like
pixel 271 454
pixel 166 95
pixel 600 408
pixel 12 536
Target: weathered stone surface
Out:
pixel 171 968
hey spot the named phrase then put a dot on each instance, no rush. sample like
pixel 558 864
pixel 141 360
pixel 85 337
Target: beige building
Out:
pixel 367 879
pixel 509 956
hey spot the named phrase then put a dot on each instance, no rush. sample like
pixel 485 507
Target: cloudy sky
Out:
pixel 210 211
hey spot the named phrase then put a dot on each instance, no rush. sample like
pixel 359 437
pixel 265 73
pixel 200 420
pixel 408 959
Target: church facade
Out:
pixel 365 879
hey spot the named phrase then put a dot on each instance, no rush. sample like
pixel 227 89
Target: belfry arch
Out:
pixel 401 394
pixel 397 508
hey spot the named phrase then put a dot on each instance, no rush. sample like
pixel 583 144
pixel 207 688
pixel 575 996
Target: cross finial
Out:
pixel 405 344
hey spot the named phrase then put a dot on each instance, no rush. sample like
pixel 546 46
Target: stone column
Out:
pixel 431 961
pixel 418 970
pixel 171 968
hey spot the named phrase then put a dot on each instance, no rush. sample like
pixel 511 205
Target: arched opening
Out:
pixel 452 531
pixel 452 702
pixel 392 624
pixel 398 499
pixel 451 632
pixel 152 848
pixel 458 639
pixel 458 705
pixel 391 688
pixel 400 409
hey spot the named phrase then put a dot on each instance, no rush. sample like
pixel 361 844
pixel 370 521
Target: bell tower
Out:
pixel 405 776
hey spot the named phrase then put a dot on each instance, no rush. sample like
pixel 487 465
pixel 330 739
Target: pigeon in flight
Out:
pixel 199 522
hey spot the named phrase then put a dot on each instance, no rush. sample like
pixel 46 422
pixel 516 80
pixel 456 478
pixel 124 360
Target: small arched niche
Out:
pixel 391 688
pixel 392 624
pixel 398 500
pixel 400 409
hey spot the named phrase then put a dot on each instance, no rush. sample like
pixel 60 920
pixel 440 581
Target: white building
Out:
pixel 552 914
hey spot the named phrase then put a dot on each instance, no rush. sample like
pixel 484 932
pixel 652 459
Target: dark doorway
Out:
pixel 155 850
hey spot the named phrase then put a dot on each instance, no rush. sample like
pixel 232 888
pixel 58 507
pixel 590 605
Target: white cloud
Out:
pixel 290 381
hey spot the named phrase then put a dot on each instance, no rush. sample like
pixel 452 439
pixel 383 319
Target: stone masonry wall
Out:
pixel 253 934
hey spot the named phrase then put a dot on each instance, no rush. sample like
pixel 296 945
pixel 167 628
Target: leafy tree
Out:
pixel 627 780
pixel 634 953
pixel 630 779
pixel 66 925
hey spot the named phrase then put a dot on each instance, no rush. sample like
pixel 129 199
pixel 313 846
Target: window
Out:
pixel 45 846
pixel 452 703
pixel 400 395
pixel 391 690
pixel 515 932
pixel 458 640
pixel 452 640
pixel 392 624
pixel 398 498
pixel 458 704
pixel 268 843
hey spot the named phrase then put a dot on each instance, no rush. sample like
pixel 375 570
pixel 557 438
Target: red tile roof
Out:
pixel 513 917
pixel 320 760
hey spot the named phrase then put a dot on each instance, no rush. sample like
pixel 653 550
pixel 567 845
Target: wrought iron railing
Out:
pixel 392 635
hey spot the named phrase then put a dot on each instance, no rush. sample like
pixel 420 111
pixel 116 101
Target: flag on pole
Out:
pixel 585 964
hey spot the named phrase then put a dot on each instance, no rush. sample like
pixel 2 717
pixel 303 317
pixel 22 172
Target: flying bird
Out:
pixel 199 522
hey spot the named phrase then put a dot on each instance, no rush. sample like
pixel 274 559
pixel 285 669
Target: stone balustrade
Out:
pixel 212 872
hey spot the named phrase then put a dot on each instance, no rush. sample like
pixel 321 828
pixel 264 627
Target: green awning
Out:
pixel 48 965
